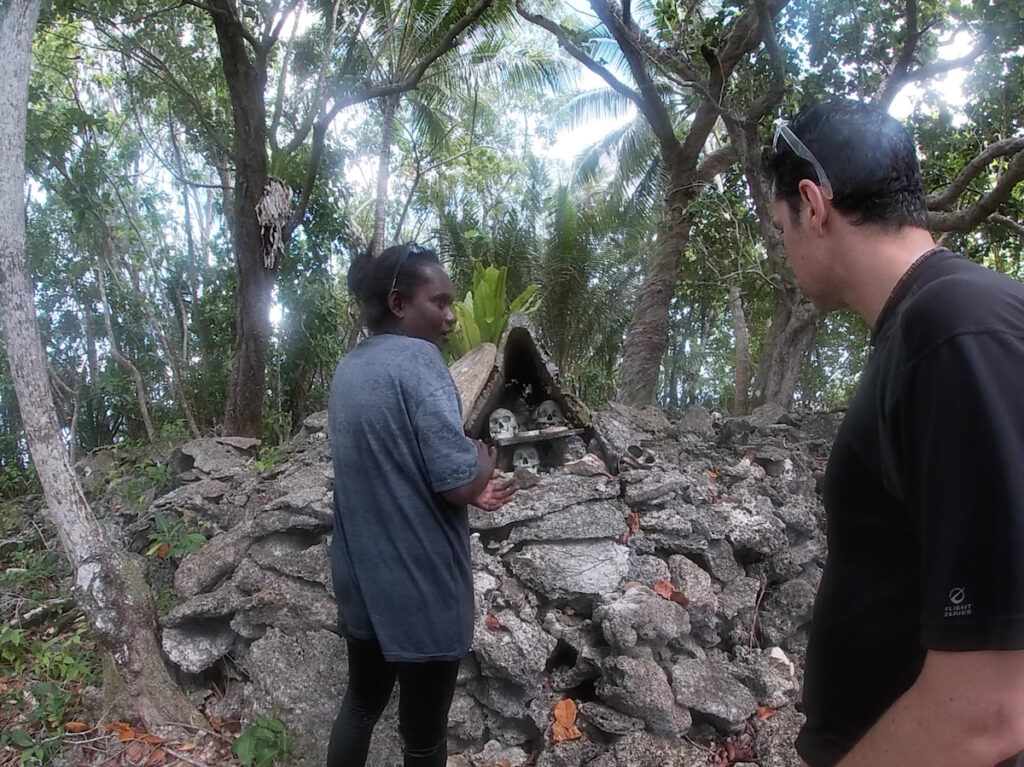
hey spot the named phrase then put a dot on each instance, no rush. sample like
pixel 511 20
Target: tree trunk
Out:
pixel 741 338
pixel 647 335
pixel 246 81
pixel 109 585
pixel 387 137
pixel 97 410
pixel 792 330
pixel 124 362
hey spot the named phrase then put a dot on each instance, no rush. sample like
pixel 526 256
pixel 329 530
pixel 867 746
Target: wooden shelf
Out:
pixel 538 435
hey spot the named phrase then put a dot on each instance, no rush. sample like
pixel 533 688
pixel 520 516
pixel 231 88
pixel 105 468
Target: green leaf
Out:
pixel 244 748
pixel 20 738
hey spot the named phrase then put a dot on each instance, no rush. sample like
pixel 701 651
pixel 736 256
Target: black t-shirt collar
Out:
pixel 900 290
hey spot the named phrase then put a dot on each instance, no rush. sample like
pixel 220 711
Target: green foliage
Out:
pixel 173 537
pixel 44 664
pixel 483 314
pixel 264 743
pixel 270 456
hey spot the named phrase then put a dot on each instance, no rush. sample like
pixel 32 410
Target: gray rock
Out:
pixel 751 526
pixel 614 435
pixel 654 488
pixel 570 753
pixel 215 560
pixel 639 687
pixel 300 678
pixel 196 647
pixel 738 598
pixel 293 555
pixel 192 494
pixel 647 569
pixel 695 585
pixel 575 448
pixel 709 688
pixel 301 477
pixel 570 570
pixel 596 519
pixel 316 422
pixel 775 738
pixel 770 675
pixel 291 604
pixel 515 650
pixel 786 609
pixel 316 502
pixel 554 493
pixel 642 749
pixel 697 420
pixel 609 720
pixel 721 561
pixel 766 415
pixel 465 719
pixel 223 602
pixel 498 753
pixel 640 617
pixel 216 456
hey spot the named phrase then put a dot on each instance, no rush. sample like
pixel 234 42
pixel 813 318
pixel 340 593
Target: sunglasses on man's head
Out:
pixel 783 131
pixel 410 249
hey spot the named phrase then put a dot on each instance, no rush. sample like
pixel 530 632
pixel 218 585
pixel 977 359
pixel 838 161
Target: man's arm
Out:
pixel 964 710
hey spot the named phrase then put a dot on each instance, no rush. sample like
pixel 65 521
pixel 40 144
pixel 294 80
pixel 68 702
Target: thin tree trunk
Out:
pixel 246 81
pixel 647 335
pixel 124 362
pixel 97 405
pixel 741 338
pixel 109 584
pixel 387 137
pixel 792 330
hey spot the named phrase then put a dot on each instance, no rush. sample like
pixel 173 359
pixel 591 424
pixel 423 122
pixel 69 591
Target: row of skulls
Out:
pixel 503 423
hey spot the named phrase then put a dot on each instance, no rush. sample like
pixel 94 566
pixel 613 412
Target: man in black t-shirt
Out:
pixel 916 655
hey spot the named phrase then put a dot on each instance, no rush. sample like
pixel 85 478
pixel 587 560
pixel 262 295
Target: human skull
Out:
pixel 549 414
pixel 502 424
pixel 526 457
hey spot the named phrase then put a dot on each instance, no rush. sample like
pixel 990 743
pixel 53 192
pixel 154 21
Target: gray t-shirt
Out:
pixel 400 552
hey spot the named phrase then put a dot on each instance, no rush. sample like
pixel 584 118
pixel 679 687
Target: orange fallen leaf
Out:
pixel 713 474
pixel 764 712
pixel 128 734
pixel 679 598
pixel 162 551
pixel 564 727
pixel 664 589
pixel 186 747
pixel 157 757
pixel 134 750
pixel 492 623
pixel 154 739
pixel 76 727
pixel 633 521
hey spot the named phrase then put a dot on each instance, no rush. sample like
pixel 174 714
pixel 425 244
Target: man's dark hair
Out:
pixel 371 280
pixel 870 160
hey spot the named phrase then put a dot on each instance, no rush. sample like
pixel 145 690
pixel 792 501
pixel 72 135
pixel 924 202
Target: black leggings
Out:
pixel 425 695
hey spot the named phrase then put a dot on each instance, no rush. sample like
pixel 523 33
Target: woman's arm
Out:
pixel 485 460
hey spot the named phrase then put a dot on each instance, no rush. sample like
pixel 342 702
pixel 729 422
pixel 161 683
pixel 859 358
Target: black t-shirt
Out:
pixel 924 496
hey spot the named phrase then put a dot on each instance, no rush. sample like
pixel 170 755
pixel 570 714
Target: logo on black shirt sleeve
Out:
pixel 958 606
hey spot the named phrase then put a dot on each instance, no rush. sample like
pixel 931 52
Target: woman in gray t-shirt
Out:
pixel 404 471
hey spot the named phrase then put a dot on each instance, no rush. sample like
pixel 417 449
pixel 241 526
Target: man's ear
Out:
pixel 396 304
pixel 818 206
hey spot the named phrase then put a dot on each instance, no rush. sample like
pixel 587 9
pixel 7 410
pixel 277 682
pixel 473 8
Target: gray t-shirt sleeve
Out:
pixel 448 454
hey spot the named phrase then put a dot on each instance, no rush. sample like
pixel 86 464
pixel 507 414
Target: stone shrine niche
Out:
pixel 512 399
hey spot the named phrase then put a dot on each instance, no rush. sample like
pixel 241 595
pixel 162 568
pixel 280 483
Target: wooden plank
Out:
pixel 538 435
pixel 471 373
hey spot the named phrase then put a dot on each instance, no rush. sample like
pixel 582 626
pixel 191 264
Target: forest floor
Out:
pixel 52 708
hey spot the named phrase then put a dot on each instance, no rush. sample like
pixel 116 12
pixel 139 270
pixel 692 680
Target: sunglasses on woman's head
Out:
pixel 411 249
pixel 783 131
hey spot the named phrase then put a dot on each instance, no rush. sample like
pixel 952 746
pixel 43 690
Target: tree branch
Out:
pixel 716 162
pixel 1016 226
pixel 651 105
pixel 448 43
pixel 965 220
pixel 579 54
pixel 945 199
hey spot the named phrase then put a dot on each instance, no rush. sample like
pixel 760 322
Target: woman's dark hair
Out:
pixel 870 159
pixel 371 280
